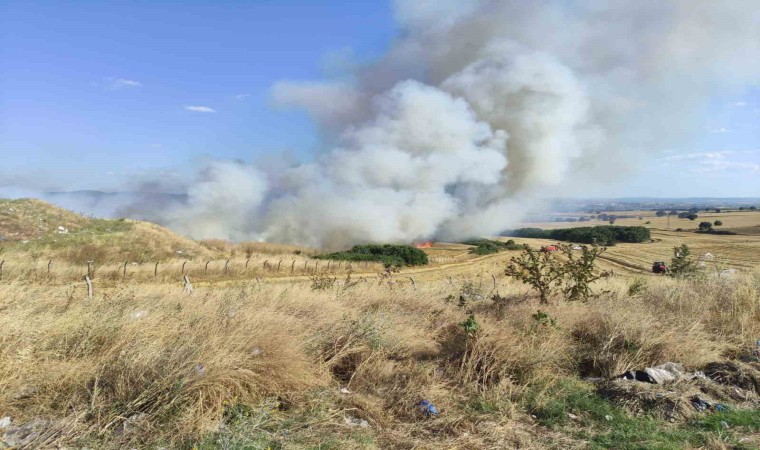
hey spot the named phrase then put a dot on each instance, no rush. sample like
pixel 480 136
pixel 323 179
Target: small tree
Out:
pixel 718 223
pixel 705 226
pixel 579 272
pixel 540 270
pixel 682 265
pixel 753 208
pixel 692 216
pixel 660 213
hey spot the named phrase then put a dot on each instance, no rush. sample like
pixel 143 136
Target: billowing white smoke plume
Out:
pixel 480 108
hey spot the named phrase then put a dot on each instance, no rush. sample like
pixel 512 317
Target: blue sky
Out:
pixel 96 94
pixel 97 87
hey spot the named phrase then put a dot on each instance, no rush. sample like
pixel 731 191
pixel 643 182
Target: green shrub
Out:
pixel 388 254
pixel 681 265
pixel 600 234
pixel 487 246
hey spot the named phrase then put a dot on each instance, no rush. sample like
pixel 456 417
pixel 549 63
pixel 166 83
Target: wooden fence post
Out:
pixel 125 269
pixel 183 267
pixel 413 283
pixel 50 263
pixel 188 289
pixel 278 265
pixel 206 269
pixel 89 268
pixel 1 269
pixel 328 264
pixel 155 270
pixel 305 263
pixel 494 280
pixel 265 263
pixel 293 266
pixel 246 263
pixel 89 286
pixel 226 269
pixel 316 267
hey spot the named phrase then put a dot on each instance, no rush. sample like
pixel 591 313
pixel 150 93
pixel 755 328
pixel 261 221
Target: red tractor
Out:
pixel 659 267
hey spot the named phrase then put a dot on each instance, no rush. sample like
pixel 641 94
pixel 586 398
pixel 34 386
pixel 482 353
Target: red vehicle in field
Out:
pixel 549 248
pixel 659 267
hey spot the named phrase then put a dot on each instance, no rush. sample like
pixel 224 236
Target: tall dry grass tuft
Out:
pixel 144 363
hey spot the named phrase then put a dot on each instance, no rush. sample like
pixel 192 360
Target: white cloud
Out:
pixel 122 83
pixel 242 96
pixel 723 166
pixel 740 104
pixel 711 162
pixel 720 130
pixel 201 109
pixel 699 156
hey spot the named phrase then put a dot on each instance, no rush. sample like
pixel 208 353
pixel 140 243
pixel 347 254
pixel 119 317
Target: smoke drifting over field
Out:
pixel 477 110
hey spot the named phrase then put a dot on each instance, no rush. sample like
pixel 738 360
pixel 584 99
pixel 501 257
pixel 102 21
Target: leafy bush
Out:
pixel 718 223
pixel 714 231
pixel 600 234
pixel 682 265
pixel 388 254
pixel 705 226
pixel 548 276
pixel 487 246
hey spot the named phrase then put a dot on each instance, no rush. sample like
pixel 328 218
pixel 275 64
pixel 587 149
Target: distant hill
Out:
pixel 39 228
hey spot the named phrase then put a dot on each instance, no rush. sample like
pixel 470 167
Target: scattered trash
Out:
pixel 131 423
pixel 344 391
pixel 727 273
pixel 354 422
pixel 721 408
pixel 199 370
pixel 138 314
pixel 658 374
pixel 25 392
pixel 700 404
pixel 255 351
pixel 427 408
pixel 25 435
pixel 608 417
pixel 5 422
pixel 724 424
pixel 572 416
pixel 62 230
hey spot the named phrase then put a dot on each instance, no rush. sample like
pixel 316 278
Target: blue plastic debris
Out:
pixel 427 408
pixel 721 408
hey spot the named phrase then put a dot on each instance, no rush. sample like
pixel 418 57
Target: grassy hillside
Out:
pixel 41 230
pixel 290 366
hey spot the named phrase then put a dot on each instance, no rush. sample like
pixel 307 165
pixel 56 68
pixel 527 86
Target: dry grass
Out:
pixel 145 364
